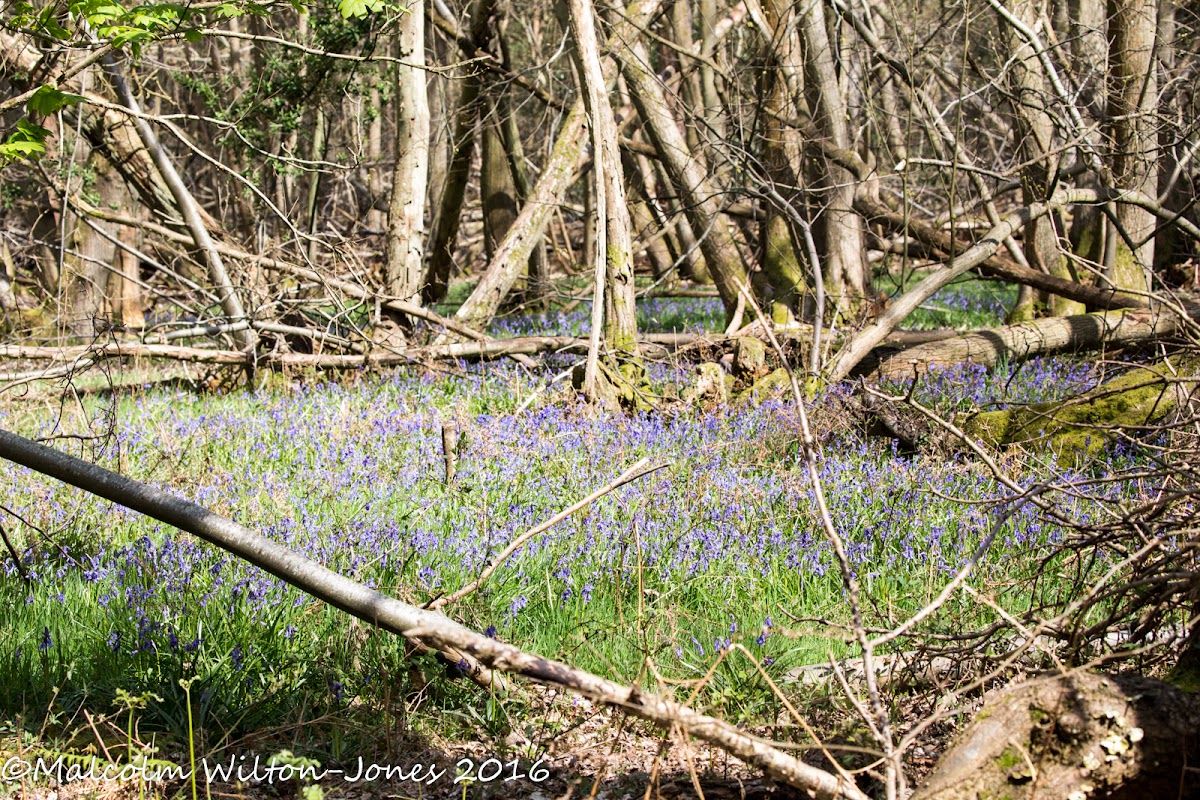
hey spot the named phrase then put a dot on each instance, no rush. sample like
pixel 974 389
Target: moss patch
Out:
pixel 1083 426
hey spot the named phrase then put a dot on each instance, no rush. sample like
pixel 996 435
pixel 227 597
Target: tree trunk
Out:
pixel 783 159
pixel 406 211
pixel 721 252
pixel 376 217
pixel 1132 103
pixel 448 215
pixel 128 293
pixel 1035 132
pixel 320 143
pixel 709 18
pixel 512 255
pixel 538 281
pixel 840 232
pixel 614 256
pixel 89 258
pixel 499 193
pixel 1080 735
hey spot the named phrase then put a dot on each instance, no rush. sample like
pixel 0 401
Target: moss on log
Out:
pixel 1081 426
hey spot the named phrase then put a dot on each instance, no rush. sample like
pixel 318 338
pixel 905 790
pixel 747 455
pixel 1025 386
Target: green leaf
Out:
pixel 28 130
pixel 193 36
pixel 359 8
pixel 27 141
pixel 48 100
pixel 21 149
pixel 47 22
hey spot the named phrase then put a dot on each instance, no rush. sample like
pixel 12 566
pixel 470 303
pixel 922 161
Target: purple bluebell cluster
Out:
pixel 708 551
pixel 655 315
pixel 973 386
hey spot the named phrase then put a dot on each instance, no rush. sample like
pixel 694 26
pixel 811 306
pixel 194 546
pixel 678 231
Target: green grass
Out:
pixel 965 304
pixel 705 550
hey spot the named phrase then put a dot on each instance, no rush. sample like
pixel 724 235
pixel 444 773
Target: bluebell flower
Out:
pixel 46 643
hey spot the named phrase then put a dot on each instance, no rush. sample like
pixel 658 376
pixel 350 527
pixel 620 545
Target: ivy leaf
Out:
pixel 49 100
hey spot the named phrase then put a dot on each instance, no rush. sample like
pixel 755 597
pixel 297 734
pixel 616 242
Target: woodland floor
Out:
pixel 718 549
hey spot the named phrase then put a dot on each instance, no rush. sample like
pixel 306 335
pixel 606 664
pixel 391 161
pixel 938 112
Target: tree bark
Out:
pixel 1132 102
pixel 405 244
pixel 1120 737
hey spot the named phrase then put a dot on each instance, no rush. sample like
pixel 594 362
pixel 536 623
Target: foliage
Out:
pixel 719 549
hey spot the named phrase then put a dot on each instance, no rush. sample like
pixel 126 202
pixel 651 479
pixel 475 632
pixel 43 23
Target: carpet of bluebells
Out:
pixel 720 546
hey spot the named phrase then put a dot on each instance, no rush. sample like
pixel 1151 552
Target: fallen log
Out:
pixel 1015 343
pixel 431 628
pixel 490 348
pixel 1075 735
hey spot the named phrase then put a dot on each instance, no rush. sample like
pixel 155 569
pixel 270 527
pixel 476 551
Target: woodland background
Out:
pixel 746 221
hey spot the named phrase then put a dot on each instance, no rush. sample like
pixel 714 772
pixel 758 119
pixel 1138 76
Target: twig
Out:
pixel 881 725
pixel 638 470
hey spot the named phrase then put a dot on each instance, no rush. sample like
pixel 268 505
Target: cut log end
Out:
pixel 1080 735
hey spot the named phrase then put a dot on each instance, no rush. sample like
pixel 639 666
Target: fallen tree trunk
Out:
pixel 1079 735
pixel 430 628
pixel 491 348
pixel 1015 343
